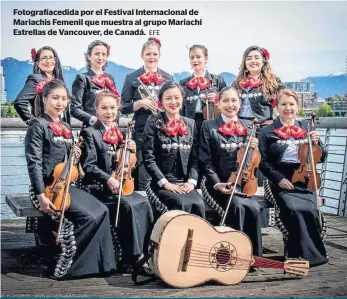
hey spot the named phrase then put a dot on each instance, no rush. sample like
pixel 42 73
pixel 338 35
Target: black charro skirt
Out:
pixel 86 246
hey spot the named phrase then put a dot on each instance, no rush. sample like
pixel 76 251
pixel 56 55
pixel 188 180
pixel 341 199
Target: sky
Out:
pixel 303 38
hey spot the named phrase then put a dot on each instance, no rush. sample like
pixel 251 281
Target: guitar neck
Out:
pixel 261 262
pixel 296 267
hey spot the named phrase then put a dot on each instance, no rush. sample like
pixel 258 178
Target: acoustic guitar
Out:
pixel 188 251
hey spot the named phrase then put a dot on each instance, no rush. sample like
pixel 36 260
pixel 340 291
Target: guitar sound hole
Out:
pixel 223 256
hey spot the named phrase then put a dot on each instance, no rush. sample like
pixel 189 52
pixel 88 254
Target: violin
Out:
pixel 244 175
pixel 58 192
pixel 309 155
pixel 248 160
pixel 126 161
pixel 210 110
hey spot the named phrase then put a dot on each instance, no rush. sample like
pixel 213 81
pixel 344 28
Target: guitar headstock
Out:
pixel 297 267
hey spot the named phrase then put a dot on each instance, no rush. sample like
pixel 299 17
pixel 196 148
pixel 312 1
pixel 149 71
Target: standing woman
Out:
pixel 200 86
pixel 46 67
pixel 257 86
pixel 170 154
pixel 102 141
pixel 220 140
pixel 147 79
pixel 87 84
pixel 85 241
pixel 279 144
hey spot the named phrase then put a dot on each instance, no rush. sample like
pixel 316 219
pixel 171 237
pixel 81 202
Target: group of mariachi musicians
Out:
pixel 198 133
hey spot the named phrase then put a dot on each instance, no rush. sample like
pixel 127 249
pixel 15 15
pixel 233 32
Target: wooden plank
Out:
pixel 21 205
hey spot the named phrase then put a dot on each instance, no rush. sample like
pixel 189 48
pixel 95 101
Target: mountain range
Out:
pixel 16 72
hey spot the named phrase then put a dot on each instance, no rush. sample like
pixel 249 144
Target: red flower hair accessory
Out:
pixel 157 41
pixel 41 85
pixel 266 53
pixel 33 54
pixel 108 50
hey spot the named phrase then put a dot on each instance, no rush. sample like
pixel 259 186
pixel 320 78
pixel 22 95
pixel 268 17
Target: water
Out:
pixel 14 173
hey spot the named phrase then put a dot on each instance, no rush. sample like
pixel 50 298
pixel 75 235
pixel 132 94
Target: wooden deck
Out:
pixel 22 273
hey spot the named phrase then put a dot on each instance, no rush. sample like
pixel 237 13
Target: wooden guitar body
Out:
pixel 189 251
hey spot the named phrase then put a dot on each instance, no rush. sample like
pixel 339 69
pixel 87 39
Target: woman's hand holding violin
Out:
pixel 314 136
pixel 286 184
pixel 223 187
pixel 45 204
pixel 131 146
pixel 211 96
pixel 77 151
pixel 113 184
pixel 254 143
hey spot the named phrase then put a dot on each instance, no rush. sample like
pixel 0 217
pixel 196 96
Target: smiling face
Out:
pixel 287 108
pixel 98 57
pixel 151 56
pixel 254 62
pixel 56 102
pixel 107 109
pixel 46 61
pixel 172 101
pixel 198 59
pixel 229 103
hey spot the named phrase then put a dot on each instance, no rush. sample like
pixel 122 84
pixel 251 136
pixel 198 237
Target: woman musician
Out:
pixel 135 98
pixel 87 84
pixel 220 140
pixel 279 145
pixel 86 224
pixel 257 86
pixel 46 67
pixel 201 87
pixel 102 140
pixel 170 154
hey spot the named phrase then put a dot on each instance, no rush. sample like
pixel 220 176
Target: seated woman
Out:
pixel 220 140
pixel 46 66
pixel 170 155
pixel 102 140
pixel 279 144
pixel 85 239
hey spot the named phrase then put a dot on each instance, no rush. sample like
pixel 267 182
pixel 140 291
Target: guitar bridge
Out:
pixel 187 250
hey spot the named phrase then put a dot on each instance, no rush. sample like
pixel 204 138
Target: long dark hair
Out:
pixel 270 85
pixel 47 89
pixel 57 72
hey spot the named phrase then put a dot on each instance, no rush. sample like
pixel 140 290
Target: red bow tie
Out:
pixel 202 82
pixel 233 128
pixel 59 129
pixel 174 127
pixel 286 132
pixel 150 77
pixel 105 81
pixel 113 136
pixel 251 82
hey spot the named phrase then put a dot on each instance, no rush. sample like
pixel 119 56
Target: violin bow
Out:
pixel 67 186
pixel 238 174
pixel 122 176
pixel 312 124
